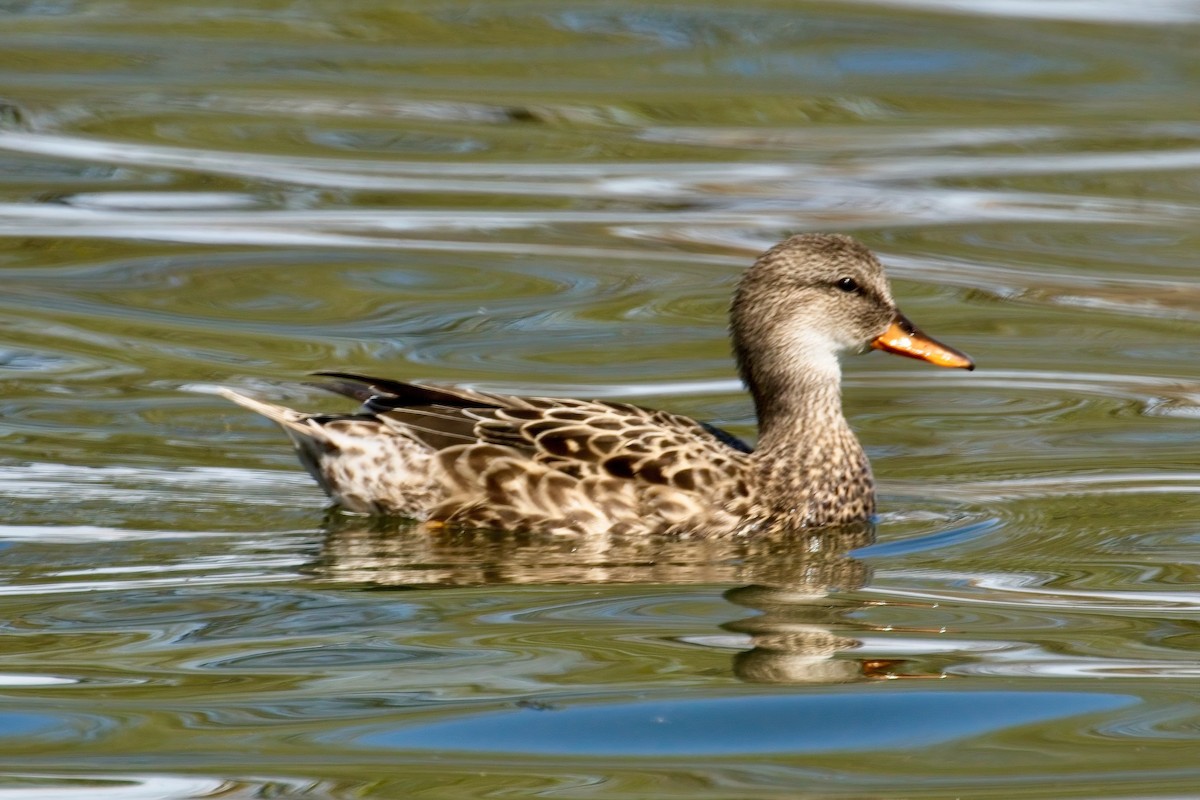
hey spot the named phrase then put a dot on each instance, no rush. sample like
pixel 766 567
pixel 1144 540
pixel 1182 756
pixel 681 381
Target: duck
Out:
pixel 450 456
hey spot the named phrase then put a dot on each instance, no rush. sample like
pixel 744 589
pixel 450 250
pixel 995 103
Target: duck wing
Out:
pixel 436 416
pixel 582 438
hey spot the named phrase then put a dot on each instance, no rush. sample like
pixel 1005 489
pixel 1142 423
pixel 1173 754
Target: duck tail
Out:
pixel 290 420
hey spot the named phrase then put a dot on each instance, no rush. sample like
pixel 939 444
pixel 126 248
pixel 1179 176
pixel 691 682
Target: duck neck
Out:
pixel 799 407
pixel 809 462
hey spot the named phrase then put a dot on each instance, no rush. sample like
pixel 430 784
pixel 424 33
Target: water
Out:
pixel 559 197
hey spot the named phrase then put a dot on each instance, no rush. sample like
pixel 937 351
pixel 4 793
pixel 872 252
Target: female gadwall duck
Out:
pixel 452 456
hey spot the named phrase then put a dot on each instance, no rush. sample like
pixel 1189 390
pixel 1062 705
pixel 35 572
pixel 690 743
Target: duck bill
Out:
pixel 905 339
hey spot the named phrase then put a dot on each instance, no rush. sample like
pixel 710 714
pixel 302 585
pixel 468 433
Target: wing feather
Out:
pixel 580 438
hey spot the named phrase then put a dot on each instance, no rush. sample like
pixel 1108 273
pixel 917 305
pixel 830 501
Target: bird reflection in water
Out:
pixel 802 584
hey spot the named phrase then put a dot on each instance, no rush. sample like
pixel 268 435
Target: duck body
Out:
pixel 453 456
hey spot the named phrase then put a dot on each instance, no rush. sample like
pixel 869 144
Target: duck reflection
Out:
pixel 800 583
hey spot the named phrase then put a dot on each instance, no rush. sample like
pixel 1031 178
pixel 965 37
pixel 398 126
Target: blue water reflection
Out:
pixel 748 724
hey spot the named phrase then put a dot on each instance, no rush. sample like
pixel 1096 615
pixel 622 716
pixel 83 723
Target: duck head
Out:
pixel 811 298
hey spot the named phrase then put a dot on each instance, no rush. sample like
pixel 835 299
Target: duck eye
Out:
pixel 849 285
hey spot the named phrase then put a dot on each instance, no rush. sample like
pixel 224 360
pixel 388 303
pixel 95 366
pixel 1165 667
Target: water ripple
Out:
pixel 1029 590
pixel 1156 12
pixel 133 786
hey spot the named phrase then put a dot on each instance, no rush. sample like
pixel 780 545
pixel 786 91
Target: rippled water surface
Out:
pixel 558 197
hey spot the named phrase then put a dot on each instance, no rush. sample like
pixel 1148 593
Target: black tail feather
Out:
pixel 387 393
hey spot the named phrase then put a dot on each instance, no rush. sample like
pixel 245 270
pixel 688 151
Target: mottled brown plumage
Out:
pixel 460 457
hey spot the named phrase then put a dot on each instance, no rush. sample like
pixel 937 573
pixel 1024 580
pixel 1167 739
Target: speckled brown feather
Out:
pixel 460 457
pixel 530 463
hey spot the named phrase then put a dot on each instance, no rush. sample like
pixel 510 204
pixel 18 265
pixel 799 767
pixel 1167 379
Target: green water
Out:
pixel 559 197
